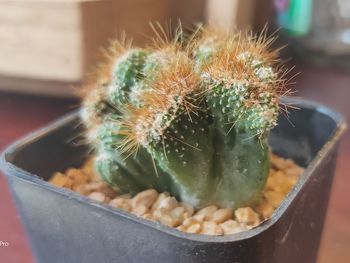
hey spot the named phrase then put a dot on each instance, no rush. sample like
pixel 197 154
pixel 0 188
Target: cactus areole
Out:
pixel 188 118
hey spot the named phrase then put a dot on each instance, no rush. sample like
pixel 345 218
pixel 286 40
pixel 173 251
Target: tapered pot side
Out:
pixel 64 226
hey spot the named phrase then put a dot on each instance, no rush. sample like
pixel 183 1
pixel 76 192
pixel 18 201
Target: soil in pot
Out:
pixel 161 207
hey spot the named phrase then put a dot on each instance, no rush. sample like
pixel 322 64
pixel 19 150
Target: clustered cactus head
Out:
pixel 163 98
pixel 189 118
pixel 238 73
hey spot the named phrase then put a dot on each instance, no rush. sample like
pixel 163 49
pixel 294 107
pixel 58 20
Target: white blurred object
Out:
pixel 330 32
pixel 230 14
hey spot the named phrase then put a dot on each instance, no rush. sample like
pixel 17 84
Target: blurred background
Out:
pixel 48 47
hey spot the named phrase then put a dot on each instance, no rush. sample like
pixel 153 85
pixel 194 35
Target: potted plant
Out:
pixel 192 118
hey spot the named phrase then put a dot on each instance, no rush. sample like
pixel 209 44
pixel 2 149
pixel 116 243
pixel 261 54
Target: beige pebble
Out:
pixel 194 229
pixel 168 203
pixel 159 199
pixel 60 180
pixel 189 222
pixel 231 226
pixel 81 189
pixel 199 217
pixel 206 213
pixel 189 208
pixel 164 217
pixel 94 186
pixel 108 191
pixel 222 215
pixel 148 216
pixel 145 198
pixel 279 182
pixel 88 169
pixel 178 214
pixel 274 198
pixel 191 225
pixel 291 180
pixel 211 228
pixel 272 171
pixel 271 181
pixel 122 203
pixel 77 176
pixel 97 196
pixel 281 163
pixel 247 216
pixel 102 188
pixel 73 172
pixel 294 171
pixel 125 196
pixel 139 209
pixel 181 228
pixel 264 209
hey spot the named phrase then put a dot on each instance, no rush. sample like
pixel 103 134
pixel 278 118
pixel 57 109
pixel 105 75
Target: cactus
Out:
pixel 190 119
pixel 242 89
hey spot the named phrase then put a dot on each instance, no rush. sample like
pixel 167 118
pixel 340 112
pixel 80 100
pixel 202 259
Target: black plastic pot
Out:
pixel 65 227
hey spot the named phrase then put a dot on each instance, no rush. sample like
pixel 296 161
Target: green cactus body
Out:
pixel 199 123
pixel 135 172
pixel 126 75
pixel 186 154
pixel 242 166
pixel 115 173
pixel 245 108
pixel 130 175
pixel 168 133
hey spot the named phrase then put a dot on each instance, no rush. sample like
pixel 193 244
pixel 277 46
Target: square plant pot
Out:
pixel 64 226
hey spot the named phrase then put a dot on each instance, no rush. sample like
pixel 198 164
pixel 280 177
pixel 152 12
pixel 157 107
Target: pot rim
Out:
pixel 9 168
